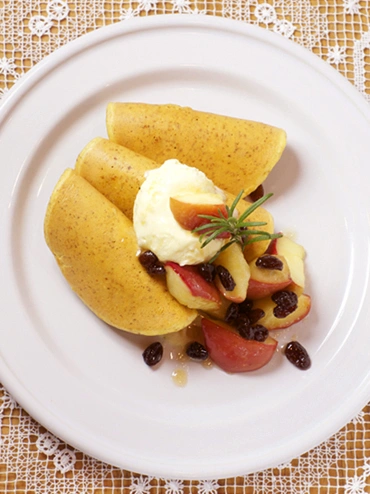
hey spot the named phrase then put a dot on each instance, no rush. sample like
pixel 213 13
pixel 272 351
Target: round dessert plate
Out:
pixel 86 382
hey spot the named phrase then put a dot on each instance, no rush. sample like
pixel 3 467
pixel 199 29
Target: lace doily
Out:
pixel 34 461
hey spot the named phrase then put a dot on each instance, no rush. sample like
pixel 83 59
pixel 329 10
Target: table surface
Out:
pixel 34 461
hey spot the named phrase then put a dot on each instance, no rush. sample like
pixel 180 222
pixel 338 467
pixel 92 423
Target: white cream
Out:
pixel 155 226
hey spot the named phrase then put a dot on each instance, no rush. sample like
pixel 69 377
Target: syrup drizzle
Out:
pixel 180 377
pixel 175 345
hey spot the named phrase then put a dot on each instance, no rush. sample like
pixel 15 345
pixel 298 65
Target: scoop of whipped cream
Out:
pixel 155 226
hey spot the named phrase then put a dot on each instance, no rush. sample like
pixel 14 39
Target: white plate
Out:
pixel 86 382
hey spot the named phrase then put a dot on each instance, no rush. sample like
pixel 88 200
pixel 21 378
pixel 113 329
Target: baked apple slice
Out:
pixel 187 208
pixel 189 288
pixel 294 255
pixel 256 249
pixel 233 261
pixel 264 281
pixel 233 353
pixel 269 307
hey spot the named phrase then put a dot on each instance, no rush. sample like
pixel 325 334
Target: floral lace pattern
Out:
pixel 34 29
pixel 49 460
pixel 35 461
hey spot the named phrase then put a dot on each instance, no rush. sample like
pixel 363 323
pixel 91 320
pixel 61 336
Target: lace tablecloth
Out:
pixel 34 461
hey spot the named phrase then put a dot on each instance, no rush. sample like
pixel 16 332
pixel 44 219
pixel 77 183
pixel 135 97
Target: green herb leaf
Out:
pixel 240 230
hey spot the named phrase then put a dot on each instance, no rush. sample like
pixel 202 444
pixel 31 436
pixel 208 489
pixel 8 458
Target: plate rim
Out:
pixel 161 20
pixel 33 75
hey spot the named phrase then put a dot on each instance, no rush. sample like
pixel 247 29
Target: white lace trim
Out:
pixel 359 63
pixel 304 22
pixel 296 477
pixel 31 30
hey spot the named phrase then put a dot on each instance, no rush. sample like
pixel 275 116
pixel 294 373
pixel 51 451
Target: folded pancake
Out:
pixel 95 247
pixel 239 154
pixel 117 172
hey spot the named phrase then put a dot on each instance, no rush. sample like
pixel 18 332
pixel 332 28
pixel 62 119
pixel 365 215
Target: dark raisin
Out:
pixel 245 330
pixel 281 312
pixel 287 302
pixel 232 313
pixel 153 354
pixel 257 194
pixel 255 315
pixel 156 269
pixel 285 297
pixel 245 306
pixel 207 271
pixel 260 333
pixel 226 279
pixel 297 355
pixel 267 261
pixel 148 258
pixel 242 319
pixel 151 263
pixel 196 351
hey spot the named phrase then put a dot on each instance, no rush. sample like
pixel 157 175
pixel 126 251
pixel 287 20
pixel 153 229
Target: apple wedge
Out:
pixel 95 246
pixel 233 261
pixel 187 208
pixel 294 255
pixel 256 249
pixel 189 288
pixel 264 282
pixel 231 352
pixel 271 322
pixel 286 246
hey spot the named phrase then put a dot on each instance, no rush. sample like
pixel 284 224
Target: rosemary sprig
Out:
pixel 238 228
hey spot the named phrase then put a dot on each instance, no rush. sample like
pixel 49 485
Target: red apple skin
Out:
pixel 285 246
pixel 257 289
pixel 272 249
pixel 231 352
pixel 294 255
pixel 197 285
pixel 233 260
pixel 187 214
pixel 265 282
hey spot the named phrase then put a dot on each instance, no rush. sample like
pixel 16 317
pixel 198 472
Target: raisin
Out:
pixel 153 354
pixel 260 333
pixel 241 319
pixel 245 330
pixel 226 279
pixel 257 194
pixel 207 271
pixel 255 315
pixel 286 302
pixel 297 355
pixel 151 263
pixel 232 313
pixel 196 351
pixel 281 312
pixel 245 306
pixel 285 297
pixel 156 269
pixel 267 261
pixel 148 258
